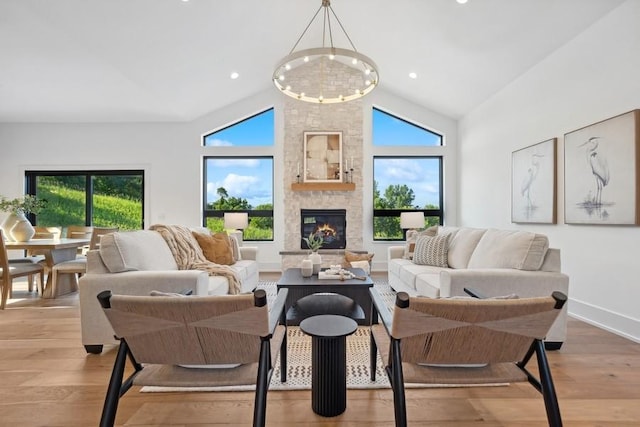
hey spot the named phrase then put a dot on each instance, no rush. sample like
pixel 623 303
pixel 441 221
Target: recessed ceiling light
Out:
pixel 413 75
pixel 234 75
pixel 461 1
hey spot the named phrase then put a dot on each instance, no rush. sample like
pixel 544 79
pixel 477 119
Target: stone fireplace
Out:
pixel 300 117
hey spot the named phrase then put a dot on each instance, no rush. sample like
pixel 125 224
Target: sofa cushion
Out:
pixel 245 269
pixel 521 250
pixel 432 250
pixel 396 265
pixel 462 243
pixel 216 247
pixel 410 271
pixel 218 285
pixel 428 282
pixel 136 250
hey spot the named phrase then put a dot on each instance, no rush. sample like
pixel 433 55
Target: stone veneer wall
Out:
pixel 299 117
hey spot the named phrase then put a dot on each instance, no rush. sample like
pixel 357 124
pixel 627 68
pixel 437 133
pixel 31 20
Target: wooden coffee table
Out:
pixel 357 290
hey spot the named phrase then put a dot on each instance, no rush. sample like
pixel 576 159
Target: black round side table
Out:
pixel 328 361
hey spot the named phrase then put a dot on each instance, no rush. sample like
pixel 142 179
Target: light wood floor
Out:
pixel 47 379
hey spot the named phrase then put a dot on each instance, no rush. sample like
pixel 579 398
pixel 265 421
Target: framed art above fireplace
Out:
pixel 322 157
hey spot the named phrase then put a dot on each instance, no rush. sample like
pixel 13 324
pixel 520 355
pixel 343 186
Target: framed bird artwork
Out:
pixel 601 172
pixel 533 183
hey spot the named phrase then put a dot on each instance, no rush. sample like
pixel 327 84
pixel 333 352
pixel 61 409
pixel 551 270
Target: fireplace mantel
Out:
pixel 323 186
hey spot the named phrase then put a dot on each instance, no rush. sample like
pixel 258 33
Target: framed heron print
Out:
pixel 322 157
pixel 601 172
pixel 533 183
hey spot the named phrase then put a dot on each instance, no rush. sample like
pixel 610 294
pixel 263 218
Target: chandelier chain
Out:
pixel 305 30
pixel 343 30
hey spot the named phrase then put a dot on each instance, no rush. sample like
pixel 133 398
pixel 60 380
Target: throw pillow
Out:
pixel 521 250
pixel 432 250
pixel 350 257
pixel 216 247
pixel 412 237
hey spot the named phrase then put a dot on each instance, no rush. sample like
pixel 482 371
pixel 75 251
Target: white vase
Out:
pixel 22 230
pixel 306 268
pixel 316 260
pixel 7 225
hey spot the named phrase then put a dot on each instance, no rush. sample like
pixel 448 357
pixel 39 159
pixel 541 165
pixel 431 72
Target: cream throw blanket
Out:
pixel 189 255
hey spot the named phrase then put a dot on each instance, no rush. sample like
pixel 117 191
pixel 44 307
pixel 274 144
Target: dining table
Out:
pixel 55 251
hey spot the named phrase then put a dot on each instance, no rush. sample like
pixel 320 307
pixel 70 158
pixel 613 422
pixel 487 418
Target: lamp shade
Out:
pixel 411 220
pixel 236 220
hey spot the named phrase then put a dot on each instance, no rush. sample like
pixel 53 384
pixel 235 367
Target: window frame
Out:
pixel 406 152
pixel 239 152
pixel 256 213
pixel 31 177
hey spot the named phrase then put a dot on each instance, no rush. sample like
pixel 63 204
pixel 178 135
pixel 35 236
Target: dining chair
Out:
pixel 464 341
pixel 78 266
pixel 79 232
pixel 42 232
pixel 10 271
pixel 203 341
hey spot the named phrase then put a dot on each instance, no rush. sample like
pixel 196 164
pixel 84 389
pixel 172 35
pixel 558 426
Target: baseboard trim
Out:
pixel 615 323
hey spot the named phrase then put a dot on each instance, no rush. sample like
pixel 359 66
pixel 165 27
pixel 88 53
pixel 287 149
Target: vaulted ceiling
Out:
pixel 170 60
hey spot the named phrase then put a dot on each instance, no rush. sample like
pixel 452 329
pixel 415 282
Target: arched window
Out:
pixel 410 179
pixel 238 175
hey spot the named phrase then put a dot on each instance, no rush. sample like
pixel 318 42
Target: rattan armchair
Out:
pixel 162 334
pixel 464 341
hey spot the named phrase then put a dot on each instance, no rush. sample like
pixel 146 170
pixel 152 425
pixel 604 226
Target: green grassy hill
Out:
pixel 67 207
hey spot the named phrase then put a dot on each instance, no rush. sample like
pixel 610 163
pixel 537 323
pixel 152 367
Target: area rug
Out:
pixel 299 353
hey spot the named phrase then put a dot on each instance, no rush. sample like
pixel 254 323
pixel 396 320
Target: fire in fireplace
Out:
pixel 330 224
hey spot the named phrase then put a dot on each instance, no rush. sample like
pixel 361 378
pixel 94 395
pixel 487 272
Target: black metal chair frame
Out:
pixel 118 386
pixel 543 383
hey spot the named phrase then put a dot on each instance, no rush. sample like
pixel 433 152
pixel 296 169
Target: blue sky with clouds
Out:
pixel 251 179
pixel 247 178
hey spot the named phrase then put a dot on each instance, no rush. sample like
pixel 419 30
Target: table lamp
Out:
pixel 237 221
pixel 411 221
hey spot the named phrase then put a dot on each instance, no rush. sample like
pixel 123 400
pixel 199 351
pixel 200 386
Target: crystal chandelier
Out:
pixel 326 74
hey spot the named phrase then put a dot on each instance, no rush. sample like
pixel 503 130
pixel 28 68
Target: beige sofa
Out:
pixel 138 262
pixel 493 262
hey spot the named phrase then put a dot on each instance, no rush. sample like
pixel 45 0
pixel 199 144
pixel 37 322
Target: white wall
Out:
pixel 591 78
